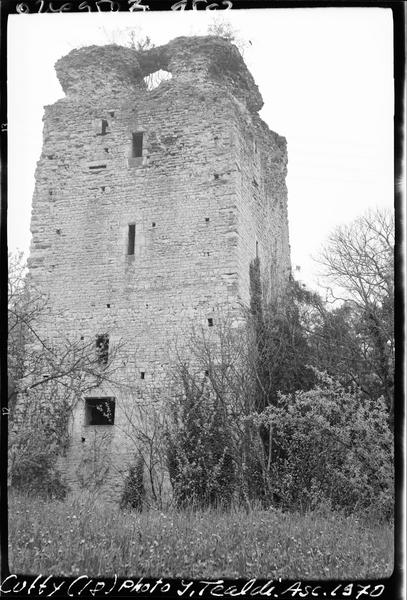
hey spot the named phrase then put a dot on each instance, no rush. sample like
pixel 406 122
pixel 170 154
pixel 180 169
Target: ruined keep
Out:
pixel 148 209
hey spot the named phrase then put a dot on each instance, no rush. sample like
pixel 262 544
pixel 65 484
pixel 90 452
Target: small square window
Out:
pixel 99 411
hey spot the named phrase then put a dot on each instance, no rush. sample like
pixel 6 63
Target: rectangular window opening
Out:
pixel 98 167
pixel 131 239
pixel 137 145
pixel 142 375
pixel 210 322
pixel 102 348
pixel 104 127
pixel 99 411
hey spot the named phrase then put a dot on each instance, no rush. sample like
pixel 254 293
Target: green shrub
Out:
pixel 200 462
pixel 38 438
pixel 329 445
pixel 33 467
pixel 134 491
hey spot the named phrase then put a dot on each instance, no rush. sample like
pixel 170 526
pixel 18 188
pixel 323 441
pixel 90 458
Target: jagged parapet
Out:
pixel 90 70
pixel 205 59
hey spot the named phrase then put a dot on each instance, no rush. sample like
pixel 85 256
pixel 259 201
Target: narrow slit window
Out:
pixel 131 239
pixel 99 411
pixel 137 145
pixel 104 127
pixel 102 348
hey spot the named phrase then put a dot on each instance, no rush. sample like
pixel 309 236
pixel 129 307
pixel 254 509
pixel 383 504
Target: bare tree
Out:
pixel 47 377
pixel 143 429
pixel 215 452
pixel 359 259
pixel 359 263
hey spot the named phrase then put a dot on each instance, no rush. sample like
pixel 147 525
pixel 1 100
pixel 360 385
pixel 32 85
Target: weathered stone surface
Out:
pixel 207 192
pixel 94 68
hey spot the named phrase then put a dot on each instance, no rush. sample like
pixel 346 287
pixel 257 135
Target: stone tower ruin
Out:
pixel 149 206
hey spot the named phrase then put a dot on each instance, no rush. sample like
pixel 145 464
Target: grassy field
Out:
pixel 71 538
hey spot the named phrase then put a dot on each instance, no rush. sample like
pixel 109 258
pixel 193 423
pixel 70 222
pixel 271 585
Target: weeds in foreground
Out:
pixel 73 537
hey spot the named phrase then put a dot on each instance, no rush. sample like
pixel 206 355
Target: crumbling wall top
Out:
pixel 201 58
pixel 196 59
pixel 88 68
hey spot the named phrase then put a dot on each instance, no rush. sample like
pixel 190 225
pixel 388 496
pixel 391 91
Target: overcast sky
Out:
pixel 325 74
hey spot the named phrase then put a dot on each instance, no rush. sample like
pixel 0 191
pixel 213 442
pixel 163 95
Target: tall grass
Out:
pixel 83 537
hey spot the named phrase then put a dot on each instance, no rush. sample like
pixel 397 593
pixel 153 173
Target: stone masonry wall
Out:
pixel 209 185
